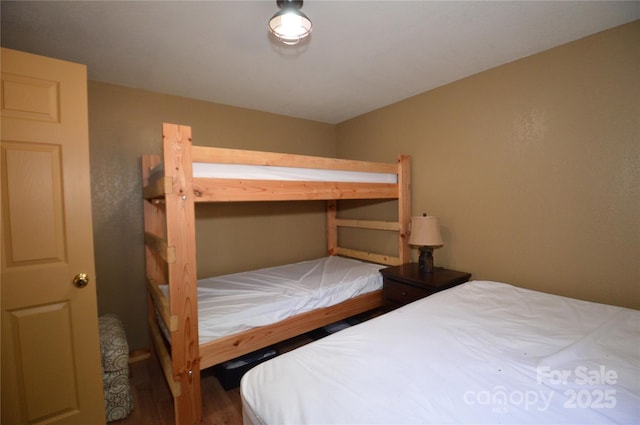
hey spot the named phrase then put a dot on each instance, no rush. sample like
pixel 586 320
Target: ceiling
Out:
pixel 362 55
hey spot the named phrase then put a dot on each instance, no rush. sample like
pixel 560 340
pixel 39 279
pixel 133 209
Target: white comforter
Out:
pixel 482 352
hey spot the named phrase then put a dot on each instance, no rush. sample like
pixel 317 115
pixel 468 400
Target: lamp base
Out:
pixel 425 263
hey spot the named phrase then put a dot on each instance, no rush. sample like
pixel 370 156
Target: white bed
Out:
pixel 483 352
pixel 235 302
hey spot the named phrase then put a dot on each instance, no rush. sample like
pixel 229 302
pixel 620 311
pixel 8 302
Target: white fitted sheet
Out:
pixel 482 352
pixel 236 302
pixel 264 172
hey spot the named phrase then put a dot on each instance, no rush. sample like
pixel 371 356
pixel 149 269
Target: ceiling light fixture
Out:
pixel 290 25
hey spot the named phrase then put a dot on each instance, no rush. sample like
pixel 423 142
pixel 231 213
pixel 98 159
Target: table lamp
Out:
pixel 425 232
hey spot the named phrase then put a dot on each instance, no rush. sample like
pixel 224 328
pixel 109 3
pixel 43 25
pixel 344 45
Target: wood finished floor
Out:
pixel 154 405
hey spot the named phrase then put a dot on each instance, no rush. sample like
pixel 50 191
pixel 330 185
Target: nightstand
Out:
pixel 406 283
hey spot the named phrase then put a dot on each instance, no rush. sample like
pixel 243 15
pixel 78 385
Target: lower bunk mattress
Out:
pixel 482 352
pixel 236 302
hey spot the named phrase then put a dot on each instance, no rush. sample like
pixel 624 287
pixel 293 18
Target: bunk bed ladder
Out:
pixel 401 226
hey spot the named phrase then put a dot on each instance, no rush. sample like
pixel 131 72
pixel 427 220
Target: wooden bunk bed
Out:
pixel 170 191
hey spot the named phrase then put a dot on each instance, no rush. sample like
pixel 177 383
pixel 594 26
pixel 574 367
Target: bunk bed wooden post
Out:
pixel 332 226
pixel 404 207
pixel 180 217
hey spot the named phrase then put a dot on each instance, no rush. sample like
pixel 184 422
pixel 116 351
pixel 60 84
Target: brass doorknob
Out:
pixel 81 280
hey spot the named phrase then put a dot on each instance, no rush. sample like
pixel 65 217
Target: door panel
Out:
pixel 30 98
pixel 45 328
pixel 50 346
pixel 34 229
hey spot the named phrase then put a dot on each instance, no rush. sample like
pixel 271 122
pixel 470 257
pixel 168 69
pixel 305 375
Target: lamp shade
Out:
pixel 425 231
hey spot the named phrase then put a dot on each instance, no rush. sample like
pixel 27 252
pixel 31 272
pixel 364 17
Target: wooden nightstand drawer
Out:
pixel 401 293
pixel 406 283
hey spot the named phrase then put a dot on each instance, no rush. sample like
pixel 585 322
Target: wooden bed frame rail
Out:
pixel 169 215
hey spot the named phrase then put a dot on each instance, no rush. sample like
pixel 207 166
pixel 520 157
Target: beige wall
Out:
pixel 533 167
pixel 126 123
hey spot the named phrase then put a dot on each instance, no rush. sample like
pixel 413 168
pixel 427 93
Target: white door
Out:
pixel 51 369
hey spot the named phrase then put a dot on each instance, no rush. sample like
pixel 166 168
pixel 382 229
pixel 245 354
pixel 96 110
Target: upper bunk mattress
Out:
pixel 262 172
pixel 482 352
pixel 236 302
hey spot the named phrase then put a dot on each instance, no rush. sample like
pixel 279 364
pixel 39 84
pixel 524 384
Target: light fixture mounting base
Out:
pixel 297 4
